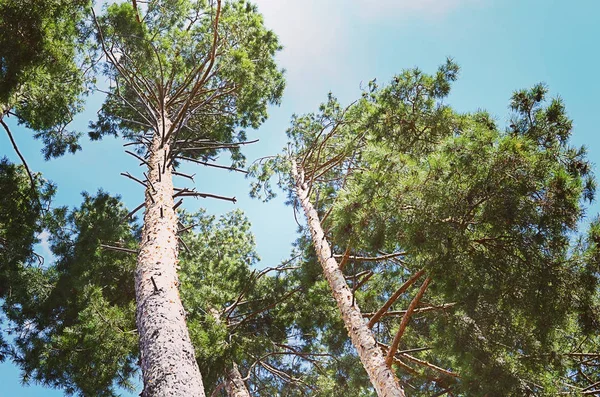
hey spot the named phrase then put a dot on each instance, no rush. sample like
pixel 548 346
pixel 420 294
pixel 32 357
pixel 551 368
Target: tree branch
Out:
pixel 393 298
pixel 14 144
pixel 128 175
pixel 119 249
pixel 404 322
pixel 372 258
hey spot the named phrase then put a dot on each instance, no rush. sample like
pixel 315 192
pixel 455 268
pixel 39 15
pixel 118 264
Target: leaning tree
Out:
pixel 401 191
pixel 185 76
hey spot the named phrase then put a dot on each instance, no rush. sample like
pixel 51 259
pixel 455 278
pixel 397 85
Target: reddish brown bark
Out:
pixel 405 319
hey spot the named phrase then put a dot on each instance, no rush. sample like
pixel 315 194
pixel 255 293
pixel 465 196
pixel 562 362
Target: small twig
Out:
pixel 185 229
pixel 185 246
pixel 177 204
pixel 156 290
pixel 344 258
pixel 417 310
pixel 150 182
pixel 429 365
pixel 364 280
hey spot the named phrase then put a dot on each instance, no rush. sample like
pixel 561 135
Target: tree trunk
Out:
pixel 168 361
pixel 382 377
pixel 234 384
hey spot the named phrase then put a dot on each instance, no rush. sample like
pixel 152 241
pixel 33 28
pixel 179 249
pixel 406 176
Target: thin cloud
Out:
pixel 387 9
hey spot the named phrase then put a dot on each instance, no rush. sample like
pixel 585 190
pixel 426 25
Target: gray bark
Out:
pixel 234 384
pixel 168 362
pixel 371 356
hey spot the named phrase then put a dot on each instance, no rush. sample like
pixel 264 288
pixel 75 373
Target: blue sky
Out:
pixel 334 45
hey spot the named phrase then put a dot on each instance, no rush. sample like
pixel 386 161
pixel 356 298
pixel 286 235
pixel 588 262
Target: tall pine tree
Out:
pixel 186 76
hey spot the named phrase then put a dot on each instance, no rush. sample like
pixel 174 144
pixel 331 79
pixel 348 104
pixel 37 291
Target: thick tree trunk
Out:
pixel 234 384
pixel 168 362
pixel 382 377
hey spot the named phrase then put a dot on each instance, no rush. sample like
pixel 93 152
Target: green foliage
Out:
pixel 491 215
pixel 168 65
pixel 42 78
pixel 76 317
pixel 20 213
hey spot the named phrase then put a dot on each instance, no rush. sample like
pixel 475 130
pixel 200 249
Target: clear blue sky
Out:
pixel 333 45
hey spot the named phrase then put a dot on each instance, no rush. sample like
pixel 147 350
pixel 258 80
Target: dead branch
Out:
pixel 405 319
pixel 136 209
pixel 429 365
pixel 138 157
pixel 204 195
pixel 224 167
pixel 119 249
pixel 372 258
pixel 394 297
pixel 14 144
pixel 190 177
pixel 128 175
pixel 417 310
pixel 364 280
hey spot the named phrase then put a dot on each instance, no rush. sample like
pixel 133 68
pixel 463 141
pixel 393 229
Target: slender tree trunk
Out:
pixel 382 377
pixel 234 384
pixel 169 365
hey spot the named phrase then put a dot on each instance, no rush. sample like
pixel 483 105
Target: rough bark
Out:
pixel 371 356
pixel 168 362
pixel 234 384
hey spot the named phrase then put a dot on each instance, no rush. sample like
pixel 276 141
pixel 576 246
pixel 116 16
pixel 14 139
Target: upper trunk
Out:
pixel 382 377
pixel 168 361
pixel 234 384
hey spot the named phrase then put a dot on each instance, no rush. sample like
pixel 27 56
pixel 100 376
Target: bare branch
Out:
pixel 429 365
pixel 136 209
pixel 14 144
pixel 417 310
pixel 204 195
pixel 404 322
pixel 394 297
pixel 191 177
pixel 247 317
pixel 212 165
pixel 372 258
pixel 120 249
pixel 138 157
pixel 128 175
pixel 135 8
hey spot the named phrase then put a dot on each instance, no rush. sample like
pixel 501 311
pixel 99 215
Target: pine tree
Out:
pixel 466 228
pixel 185 77
pixel 44 70
pixel 78 314
pixel 20 223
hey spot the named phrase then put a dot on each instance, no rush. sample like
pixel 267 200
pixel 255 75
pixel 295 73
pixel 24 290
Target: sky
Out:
pixel 337 45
